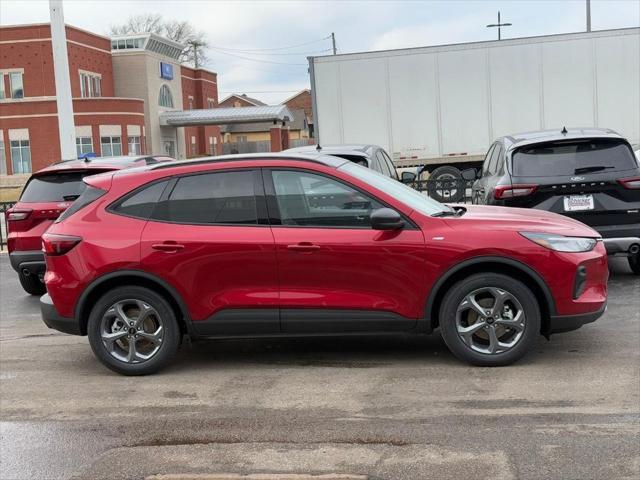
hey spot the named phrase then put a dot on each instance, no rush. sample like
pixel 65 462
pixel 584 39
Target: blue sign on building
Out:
pixel 166 71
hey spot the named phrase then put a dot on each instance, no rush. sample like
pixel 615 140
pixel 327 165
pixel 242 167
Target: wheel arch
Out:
pixel 493 264
pixel 106 282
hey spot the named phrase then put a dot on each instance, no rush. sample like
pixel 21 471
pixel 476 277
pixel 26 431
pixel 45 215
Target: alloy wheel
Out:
pixel 131 331
pixel 490 320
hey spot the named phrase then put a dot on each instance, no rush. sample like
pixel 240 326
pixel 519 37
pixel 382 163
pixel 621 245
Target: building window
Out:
pixel 111 146
pixel 134 146
pixel 190 103
pixel 212 146
pixel 165 99
pixel 84 145
pixel 2 94
pixel 20 156
pixel 211 103
pixel 3 161
pixel 90 85
pixel 17 90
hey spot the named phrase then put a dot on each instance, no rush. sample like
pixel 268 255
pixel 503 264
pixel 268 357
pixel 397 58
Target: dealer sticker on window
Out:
pixel 576 203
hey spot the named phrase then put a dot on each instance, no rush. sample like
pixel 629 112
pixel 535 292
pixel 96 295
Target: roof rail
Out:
pixel 235 158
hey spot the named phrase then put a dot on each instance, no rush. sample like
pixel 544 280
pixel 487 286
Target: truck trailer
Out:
pixel 441 107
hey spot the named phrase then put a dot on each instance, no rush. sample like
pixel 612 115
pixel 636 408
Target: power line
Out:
pixel 257 59
pixel 243 50
pixel 272 54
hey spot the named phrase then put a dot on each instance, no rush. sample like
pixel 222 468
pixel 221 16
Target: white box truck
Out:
pixel 441 107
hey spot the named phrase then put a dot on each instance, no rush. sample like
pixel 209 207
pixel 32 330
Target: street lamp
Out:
pixel 499 25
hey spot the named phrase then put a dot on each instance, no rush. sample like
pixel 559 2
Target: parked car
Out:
pixel 590 175
pixel 45 196
pixel 233 247
pixel 370 156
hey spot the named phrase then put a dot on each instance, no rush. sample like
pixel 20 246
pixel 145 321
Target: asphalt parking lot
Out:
pixel 388 408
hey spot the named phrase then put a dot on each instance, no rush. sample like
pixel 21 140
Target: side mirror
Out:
pixel 470 174
pixel 386 219
pixel 408 177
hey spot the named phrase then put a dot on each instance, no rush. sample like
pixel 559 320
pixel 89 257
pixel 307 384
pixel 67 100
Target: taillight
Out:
pixel 632 183
pixel 20 214
pixel 53 244
pixel 500 192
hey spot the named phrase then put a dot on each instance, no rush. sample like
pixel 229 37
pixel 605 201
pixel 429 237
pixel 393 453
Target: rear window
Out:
pixel 575 157
pixel 55 187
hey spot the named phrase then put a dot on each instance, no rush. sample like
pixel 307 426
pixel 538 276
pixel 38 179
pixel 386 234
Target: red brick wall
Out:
pixel 301 101
pixel 36 58
pixel 231 101
pixel 42 123
pixel 199 84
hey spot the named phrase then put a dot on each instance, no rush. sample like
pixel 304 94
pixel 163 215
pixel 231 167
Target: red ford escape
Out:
pixel 277 245
pixel 46 195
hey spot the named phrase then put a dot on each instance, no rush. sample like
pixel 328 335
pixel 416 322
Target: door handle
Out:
pixel 304 247
pixel 169 247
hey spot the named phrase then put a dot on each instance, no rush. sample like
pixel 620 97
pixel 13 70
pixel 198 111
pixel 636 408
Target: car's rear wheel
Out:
pixel 133 330
pixel 32 284
pixel 634 263
pixel 489 319
pixel 445 184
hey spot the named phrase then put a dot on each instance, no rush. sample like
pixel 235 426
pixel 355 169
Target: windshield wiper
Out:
pixel 595 168
pixel 450 213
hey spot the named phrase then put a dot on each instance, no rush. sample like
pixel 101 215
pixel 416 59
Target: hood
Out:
pixel 486 217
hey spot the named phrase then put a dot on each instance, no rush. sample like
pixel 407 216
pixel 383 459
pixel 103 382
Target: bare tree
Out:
pixel 179 31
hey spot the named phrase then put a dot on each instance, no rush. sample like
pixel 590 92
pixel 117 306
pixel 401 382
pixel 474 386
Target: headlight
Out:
pixel 560 243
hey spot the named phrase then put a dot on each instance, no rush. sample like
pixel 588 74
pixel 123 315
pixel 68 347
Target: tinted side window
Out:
pixel 142 202
pixel 487 160
pixel 310 200
pixel 390 164
pixel 384 168
pixel 495 160
pixel 212 198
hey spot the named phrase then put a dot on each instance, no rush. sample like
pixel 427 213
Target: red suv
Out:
pixel 46 195
pixel 277 245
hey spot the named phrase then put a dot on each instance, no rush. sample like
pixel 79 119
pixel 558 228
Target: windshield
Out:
pixel 574 157
pixel 55 187
pixel 400 191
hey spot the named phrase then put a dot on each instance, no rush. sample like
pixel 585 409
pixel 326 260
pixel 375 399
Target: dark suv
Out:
pixel 590 175
pixel 47 194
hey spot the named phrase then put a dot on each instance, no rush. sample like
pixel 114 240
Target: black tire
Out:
pixel 171 330
pixel 32 284
pixel 457 294
pixel 446 184
pixel 634 263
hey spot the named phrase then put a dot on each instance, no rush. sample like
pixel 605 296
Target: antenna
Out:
pixel 318 147
pixel 564 131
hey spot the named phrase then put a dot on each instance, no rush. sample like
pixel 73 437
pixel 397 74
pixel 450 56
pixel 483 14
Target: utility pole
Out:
pixel 195 45
pixel 333 42
pixel 499 25
pixel 588 15
pixel 66 126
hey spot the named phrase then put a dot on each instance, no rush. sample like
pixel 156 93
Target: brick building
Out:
pixel 119 86
pixel 236 100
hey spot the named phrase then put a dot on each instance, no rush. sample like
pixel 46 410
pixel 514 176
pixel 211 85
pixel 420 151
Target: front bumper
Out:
pixel 52 318
pixel 567 323
pixel 31 260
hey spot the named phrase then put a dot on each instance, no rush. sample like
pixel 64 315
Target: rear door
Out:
pixel 580 179
pixel 209 238
pixel 336 274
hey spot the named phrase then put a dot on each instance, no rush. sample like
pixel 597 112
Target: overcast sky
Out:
pixel 237 28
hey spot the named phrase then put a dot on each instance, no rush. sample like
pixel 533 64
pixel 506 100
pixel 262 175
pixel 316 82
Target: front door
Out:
pixel 336 274
pixel 208 240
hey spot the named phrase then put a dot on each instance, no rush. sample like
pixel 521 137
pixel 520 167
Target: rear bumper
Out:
pixel 52 318
pixel 622 245
pixel 567 323
pixel 32 260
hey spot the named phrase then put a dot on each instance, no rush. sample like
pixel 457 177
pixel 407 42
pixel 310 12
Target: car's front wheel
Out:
pixel 634 263
pixel 133 330
pixel 489 319
pixel 32 284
